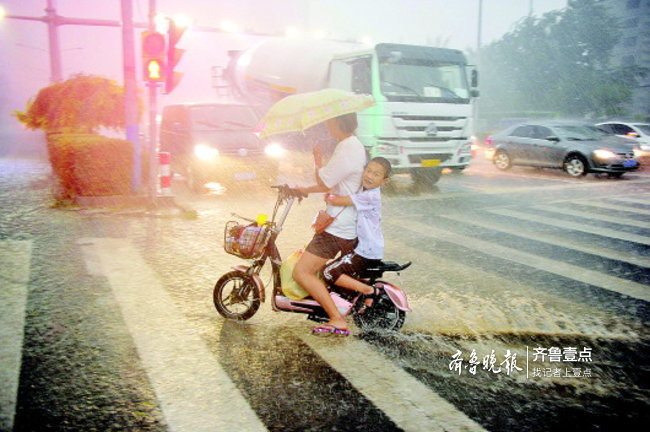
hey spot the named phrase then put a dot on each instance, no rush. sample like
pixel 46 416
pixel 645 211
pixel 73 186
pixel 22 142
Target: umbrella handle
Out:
pixel 318 156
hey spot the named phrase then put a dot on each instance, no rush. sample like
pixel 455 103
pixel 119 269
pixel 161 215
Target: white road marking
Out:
pixel 194 396
pixel 604 205
pixel 574 226
pixel 553 240
pixel 499 190
pixel 563 209
pixel 635 200
pixel 15 257
pixel 411 405
pixel 601 280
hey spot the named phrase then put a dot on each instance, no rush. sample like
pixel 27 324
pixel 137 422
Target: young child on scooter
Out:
pixel 346 270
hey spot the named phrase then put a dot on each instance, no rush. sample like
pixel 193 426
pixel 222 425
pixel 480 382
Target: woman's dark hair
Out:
pixel 347 122
pixel 385 163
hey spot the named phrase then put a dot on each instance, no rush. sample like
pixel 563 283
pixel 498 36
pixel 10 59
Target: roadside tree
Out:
pixel 560 62
pixel 71 114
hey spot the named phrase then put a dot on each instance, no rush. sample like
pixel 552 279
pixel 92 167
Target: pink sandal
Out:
pixel 328 329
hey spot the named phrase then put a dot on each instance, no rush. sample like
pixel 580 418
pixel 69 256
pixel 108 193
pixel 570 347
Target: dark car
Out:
pixel 576 147
pixel 216 142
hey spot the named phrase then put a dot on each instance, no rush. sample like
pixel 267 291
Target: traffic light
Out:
pixel 174 34
pixel 153 56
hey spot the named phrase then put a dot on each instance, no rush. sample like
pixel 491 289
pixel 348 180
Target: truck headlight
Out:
pixel 205 152
pixel 387 149
pixel 275 150
pixel 604 154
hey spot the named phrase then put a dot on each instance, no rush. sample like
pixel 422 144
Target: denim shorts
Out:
pixel 326 245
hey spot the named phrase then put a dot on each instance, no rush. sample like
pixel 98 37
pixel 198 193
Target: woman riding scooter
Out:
pixel 340 176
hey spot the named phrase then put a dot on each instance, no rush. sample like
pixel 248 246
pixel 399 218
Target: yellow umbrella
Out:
pixel 301 111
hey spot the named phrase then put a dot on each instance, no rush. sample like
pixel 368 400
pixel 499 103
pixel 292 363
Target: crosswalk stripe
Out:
pixel 613 207
pixel 194 395
pixel 559 208
pixel 410 404
pixel 553 240
pixel 634 200
pixel 570 271
pixel 575 226
pixel 15 257
pixel 494 190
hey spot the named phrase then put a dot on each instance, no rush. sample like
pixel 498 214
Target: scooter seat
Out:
pixel 385 266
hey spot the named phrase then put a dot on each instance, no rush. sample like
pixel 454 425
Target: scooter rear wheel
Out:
pixel 235 296
pixel 383 315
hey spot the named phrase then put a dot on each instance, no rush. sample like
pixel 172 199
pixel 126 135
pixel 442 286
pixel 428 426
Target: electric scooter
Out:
pixel 239 293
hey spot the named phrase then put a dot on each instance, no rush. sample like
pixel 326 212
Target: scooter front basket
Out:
pixel 246 242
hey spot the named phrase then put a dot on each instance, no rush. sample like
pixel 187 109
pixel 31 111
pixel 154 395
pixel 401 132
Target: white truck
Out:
pixel 422 121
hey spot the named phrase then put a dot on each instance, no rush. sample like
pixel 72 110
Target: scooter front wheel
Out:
pixel 235 296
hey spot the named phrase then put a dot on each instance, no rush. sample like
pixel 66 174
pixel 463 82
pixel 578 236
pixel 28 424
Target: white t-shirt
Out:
pixel 371 240
pixel 343 175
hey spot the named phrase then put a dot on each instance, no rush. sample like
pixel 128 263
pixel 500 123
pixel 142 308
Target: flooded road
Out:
pixel 529 293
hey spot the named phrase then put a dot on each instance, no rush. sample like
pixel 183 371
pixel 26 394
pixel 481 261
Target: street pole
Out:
pixel 153 107
pixel 130 94
pixel 53 38
pixel 478 63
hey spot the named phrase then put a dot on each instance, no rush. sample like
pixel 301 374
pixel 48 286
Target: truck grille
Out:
pixel 422 129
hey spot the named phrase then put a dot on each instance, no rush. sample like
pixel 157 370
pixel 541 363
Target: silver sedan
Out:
pixel 576 147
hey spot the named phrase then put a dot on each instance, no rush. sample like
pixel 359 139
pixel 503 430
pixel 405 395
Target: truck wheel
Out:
pixel 425 177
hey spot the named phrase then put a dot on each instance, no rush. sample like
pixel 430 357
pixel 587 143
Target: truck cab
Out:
pixel 422 121
pixel 216 142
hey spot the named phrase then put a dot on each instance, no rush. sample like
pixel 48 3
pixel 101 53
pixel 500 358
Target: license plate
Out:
pixel 629 163
pixel 244 176
pixel 430 162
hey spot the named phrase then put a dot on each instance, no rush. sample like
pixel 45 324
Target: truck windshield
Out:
pixel 223 117
pixel 423 80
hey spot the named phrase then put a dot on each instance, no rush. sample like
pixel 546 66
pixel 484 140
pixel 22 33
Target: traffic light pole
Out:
pixel 153 139
pixel 153 127
pixel 130 94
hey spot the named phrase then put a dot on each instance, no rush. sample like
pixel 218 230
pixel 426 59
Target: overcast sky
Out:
pixel 23 44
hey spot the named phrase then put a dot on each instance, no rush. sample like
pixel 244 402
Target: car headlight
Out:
pixel 275 150
pixel 604 154
pixel 205 152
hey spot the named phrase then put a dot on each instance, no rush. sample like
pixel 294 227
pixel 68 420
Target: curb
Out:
pixel 162 206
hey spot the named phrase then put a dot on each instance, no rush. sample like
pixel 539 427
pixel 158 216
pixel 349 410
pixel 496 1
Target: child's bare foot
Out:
pixel 369 299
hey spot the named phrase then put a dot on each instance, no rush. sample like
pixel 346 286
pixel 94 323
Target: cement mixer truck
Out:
pixel 422 121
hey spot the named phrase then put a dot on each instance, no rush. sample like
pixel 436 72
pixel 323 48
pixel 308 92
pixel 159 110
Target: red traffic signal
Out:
pixel 153 56
pixel 174 55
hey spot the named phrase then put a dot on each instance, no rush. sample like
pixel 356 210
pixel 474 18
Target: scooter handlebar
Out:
pixel 290 192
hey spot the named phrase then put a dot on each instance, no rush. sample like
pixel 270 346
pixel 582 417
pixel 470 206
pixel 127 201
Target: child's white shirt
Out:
pixel 371 239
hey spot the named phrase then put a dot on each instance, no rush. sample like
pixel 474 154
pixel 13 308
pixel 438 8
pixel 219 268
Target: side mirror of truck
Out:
pixel 474 79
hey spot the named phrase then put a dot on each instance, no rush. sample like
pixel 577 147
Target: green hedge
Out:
pixel 92 165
